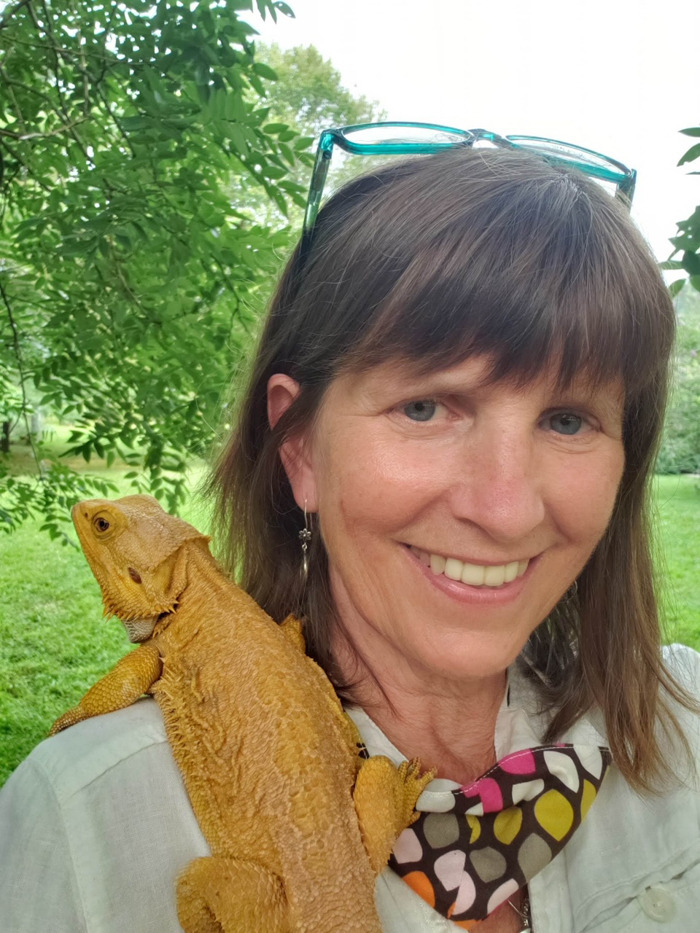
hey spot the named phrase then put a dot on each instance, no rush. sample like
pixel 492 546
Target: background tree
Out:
pixel 687 241
pixel 308 95
pixel 307 98
pixel 134 141
pixel 680 450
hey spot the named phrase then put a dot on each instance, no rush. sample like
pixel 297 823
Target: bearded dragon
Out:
pixel 298 823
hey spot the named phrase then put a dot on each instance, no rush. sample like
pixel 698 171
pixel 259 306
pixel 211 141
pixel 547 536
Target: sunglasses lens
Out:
pixel 396 134
pixel 572 155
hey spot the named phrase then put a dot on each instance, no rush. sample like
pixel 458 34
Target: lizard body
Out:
pixel 297 822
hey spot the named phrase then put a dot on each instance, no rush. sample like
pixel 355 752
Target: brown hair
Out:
pixel 430 260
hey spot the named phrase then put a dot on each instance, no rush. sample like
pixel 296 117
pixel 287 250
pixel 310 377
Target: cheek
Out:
pixel 587 498
pixel 382 486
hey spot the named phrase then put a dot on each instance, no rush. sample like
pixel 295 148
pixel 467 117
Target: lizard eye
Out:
pixel 135 576
pixel 101 524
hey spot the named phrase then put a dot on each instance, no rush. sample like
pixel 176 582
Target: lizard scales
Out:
pixel 298 824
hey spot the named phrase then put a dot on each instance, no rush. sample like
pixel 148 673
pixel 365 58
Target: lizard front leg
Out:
pixel 385 798
pixel 130 678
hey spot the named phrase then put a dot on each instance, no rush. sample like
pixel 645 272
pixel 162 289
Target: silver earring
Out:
pixel 305 536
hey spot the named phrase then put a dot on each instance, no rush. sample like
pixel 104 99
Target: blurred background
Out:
pixel 154 163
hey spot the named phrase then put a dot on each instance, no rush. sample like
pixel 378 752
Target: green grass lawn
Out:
pixel 54 643
pixel 678 535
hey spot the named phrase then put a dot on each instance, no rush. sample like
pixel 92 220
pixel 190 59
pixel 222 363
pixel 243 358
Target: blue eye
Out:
pixel 421 410
pixel 566 423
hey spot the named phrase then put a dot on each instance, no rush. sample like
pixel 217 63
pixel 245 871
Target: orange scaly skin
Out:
pixel 298 824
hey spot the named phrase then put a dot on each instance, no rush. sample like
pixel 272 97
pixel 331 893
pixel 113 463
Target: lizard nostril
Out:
pixel 134 575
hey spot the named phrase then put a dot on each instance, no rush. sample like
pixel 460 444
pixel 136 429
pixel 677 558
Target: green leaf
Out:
pixel 274 129
pixel 235 134
pixel 257 84
pixel 260 68
pixel 273 171
pixel 690 156
pixel 691 131
pixel 284 8
pixel 676 286
pixel 691 263
pixel 287 153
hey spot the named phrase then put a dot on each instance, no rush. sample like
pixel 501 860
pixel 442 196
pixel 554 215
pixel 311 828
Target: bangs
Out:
pixel 546 271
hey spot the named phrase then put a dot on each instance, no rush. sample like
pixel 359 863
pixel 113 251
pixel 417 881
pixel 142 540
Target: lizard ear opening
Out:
pixel 169 579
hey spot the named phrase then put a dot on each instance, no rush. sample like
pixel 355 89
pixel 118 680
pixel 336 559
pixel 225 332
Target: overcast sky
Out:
pixel 618 76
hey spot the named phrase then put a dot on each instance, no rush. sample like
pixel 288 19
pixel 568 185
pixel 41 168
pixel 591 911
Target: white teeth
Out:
pixel 472 574
pixel 437 563
pixel 494 576
pixel 453 568
pixel 511 571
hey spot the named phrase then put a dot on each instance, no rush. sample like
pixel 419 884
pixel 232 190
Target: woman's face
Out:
pixel 456 514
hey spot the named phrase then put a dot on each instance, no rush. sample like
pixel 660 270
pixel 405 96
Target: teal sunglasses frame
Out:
pixel 591 163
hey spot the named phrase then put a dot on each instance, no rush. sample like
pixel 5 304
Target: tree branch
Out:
pixel 24 165
pixel 22 376
pixel 5 21
pixel 21 137
pixel 57 75
pixel 115 120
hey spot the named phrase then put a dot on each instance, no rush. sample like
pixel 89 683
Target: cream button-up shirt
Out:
pixel 96 825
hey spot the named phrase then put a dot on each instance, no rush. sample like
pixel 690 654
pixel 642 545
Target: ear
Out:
pixel 295 452
pixel 170 576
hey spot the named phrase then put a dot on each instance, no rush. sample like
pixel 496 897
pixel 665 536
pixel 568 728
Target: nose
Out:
pixel 501 485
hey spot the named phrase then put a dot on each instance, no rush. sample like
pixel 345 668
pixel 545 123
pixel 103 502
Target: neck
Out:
pixel 448 725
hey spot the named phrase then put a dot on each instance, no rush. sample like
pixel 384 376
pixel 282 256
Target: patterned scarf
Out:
pixel 473 847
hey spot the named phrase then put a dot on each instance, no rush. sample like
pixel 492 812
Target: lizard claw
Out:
pixel 412 786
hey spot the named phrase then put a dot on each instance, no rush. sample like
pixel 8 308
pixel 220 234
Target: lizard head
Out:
pixel 136 551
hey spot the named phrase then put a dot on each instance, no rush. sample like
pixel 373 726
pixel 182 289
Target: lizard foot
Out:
pixel 385 798
pixel 227 895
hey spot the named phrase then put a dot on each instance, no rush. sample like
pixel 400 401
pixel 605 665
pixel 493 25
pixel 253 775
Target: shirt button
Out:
pixel 657 904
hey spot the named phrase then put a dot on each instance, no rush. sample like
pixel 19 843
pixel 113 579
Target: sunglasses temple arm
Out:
pixel 318 181
pixel 625 189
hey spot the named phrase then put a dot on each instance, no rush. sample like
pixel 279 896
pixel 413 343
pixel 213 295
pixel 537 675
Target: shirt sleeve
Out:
pixel 38 886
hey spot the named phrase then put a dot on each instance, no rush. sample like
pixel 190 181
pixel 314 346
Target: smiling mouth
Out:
pixel 493 575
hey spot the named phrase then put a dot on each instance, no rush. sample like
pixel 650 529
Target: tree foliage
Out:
pixel 680 449
pixel 687 241
pixel 308 95
pixel 307 98
pixel 130 273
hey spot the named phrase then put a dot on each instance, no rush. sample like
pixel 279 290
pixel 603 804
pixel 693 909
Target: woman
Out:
pixel 458 396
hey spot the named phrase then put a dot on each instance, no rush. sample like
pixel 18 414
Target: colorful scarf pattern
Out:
pixel 472 847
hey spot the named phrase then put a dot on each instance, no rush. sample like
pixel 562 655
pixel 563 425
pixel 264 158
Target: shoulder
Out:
pixel 97 809
pixel 635 862
pixel 684 663
pixel 84 754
